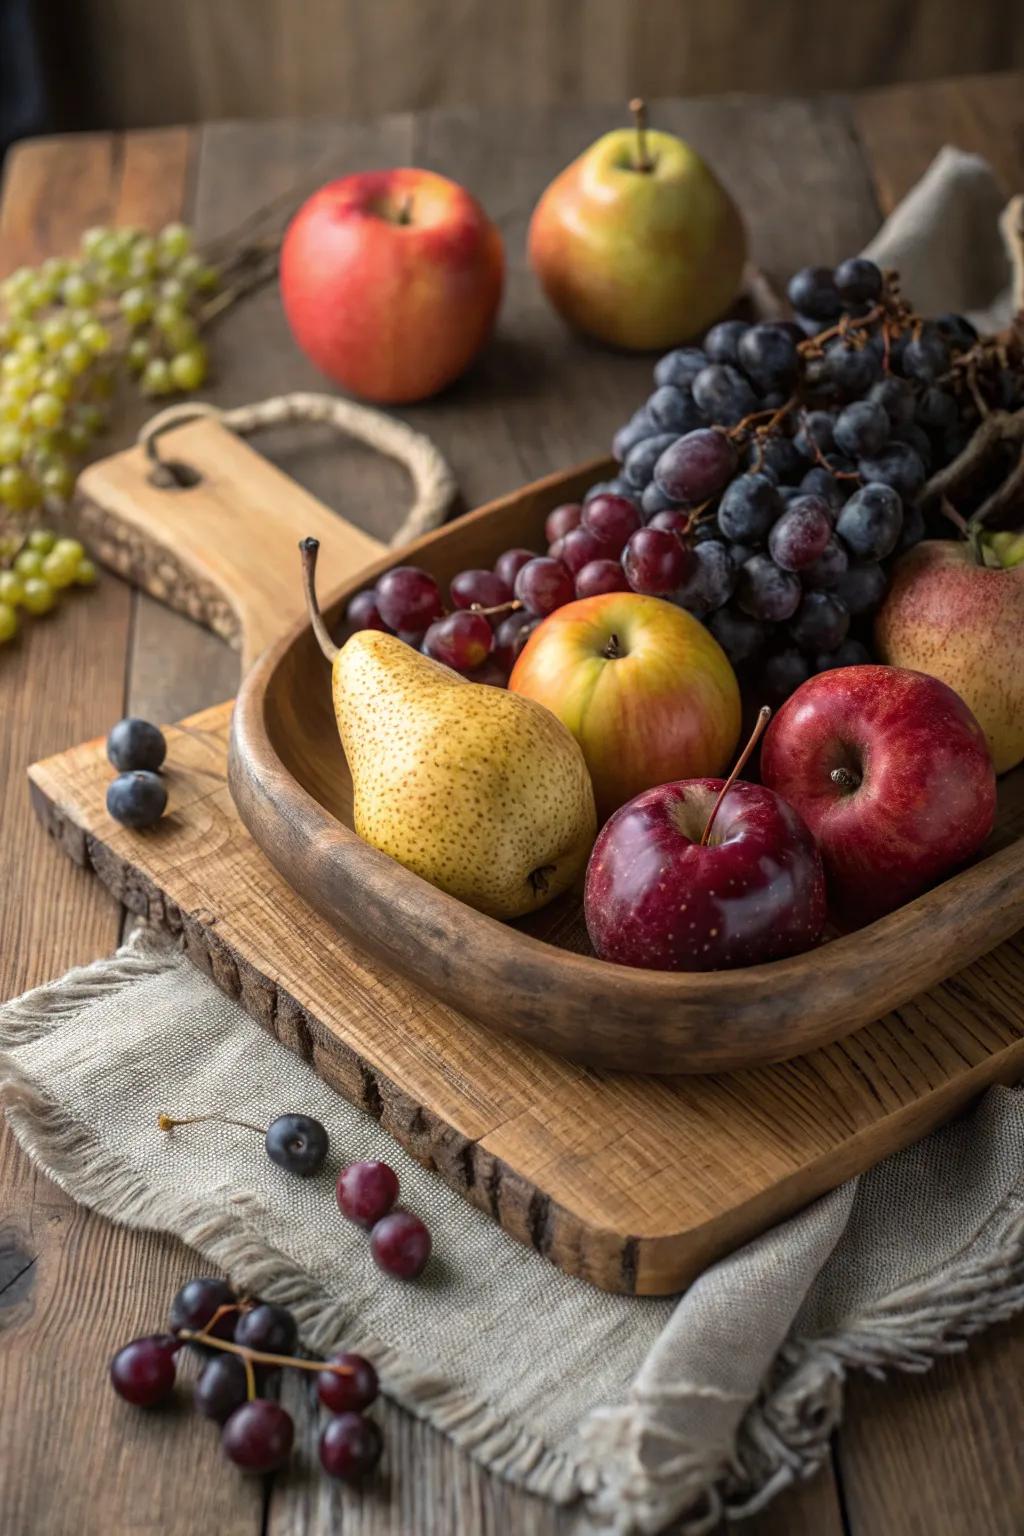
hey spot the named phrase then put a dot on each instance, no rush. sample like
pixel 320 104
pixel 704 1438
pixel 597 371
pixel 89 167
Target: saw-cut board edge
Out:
pixel 633 1183
pixel 223 550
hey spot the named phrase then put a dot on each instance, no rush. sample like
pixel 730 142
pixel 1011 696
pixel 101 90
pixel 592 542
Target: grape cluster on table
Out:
pixel 126 302
pixel 766 486
pixel 257 1432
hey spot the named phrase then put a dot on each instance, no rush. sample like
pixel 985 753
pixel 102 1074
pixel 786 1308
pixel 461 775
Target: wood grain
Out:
pixel 73 1287
pixel 224 550
pixel 902 1457
pixel 593 1169
pixel 186 60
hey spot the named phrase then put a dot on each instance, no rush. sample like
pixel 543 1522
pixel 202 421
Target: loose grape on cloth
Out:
pixel 648 1410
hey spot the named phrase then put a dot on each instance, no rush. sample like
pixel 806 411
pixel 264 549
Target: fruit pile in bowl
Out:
pixel 561 718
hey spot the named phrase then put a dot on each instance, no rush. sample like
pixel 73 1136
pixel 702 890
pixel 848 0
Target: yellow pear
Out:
pixel 481 792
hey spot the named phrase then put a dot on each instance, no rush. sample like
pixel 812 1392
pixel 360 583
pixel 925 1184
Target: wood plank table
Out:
pixel 937 1455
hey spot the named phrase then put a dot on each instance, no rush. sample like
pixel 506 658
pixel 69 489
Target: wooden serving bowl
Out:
pixel 537 978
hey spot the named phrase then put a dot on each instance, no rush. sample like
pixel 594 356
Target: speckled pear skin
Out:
pixel 471 787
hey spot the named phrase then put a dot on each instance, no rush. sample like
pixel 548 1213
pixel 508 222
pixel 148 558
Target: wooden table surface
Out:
pixel 935 1455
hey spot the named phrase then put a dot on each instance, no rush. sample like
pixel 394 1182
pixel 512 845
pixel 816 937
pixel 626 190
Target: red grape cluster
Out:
pixel 243 1344
pixel 765 486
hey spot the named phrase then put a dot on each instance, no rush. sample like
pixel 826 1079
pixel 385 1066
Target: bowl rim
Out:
pixel 612 1015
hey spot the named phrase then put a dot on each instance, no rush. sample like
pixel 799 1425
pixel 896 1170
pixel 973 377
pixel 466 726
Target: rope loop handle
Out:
pixel 434 483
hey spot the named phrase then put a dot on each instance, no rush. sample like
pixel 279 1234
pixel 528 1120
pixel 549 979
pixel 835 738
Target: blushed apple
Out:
pixel 391 281
pixel 646 690
pixel 963 622
pixel 891 772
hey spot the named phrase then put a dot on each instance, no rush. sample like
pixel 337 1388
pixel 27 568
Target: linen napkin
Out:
pixel 650 1410
pixel 647 1408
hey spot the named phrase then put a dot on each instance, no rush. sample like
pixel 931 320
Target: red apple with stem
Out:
pixel 891 772
pixel 705 875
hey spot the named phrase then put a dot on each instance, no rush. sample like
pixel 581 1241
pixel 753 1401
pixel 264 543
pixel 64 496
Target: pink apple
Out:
pixel 891 772
pixel 657 897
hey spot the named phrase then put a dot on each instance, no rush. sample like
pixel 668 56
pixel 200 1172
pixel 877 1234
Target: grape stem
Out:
pixel 638 107
pixel 310 548
pixel 763 716
pixel 168 1122
pixel 259 1356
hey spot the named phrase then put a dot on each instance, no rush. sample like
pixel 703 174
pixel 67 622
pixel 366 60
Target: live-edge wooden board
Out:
pixel 634 1183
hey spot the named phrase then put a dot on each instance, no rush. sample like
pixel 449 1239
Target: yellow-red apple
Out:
pixel 646 690
pixel 391 281
pixel 963 623
pixel 637 242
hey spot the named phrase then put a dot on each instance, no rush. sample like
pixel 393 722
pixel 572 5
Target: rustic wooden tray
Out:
pixel 633 1182
pixel 538 979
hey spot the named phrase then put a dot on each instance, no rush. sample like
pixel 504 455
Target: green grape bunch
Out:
pixel 69 329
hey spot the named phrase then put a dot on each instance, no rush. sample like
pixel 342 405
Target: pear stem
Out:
pixel 638 107
pixel 310 548
pixel 764 715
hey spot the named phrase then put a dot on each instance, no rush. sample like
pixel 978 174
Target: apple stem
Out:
pixel 763 716
pixel 638 107
pixel 310 549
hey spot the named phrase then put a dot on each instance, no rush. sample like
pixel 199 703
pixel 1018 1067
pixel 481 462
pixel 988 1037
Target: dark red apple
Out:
pixel 656 896
pixel 891 772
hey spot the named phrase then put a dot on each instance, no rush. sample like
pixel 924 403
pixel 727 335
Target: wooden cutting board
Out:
pixel 635 1183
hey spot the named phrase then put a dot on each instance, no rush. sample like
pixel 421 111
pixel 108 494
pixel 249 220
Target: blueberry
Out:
pixel 297 1143
pixel 134 743
pixel 137 799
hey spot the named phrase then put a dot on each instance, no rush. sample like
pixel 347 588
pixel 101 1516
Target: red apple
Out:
pixel 646 690
pixel 657 896
pixel 891 772
pixel 391 281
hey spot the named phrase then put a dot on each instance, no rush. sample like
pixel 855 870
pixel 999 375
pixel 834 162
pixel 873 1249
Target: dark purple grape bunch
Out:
pixel 138 796
pixel 765 486
pixel 399 1241
pixel 242 1345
